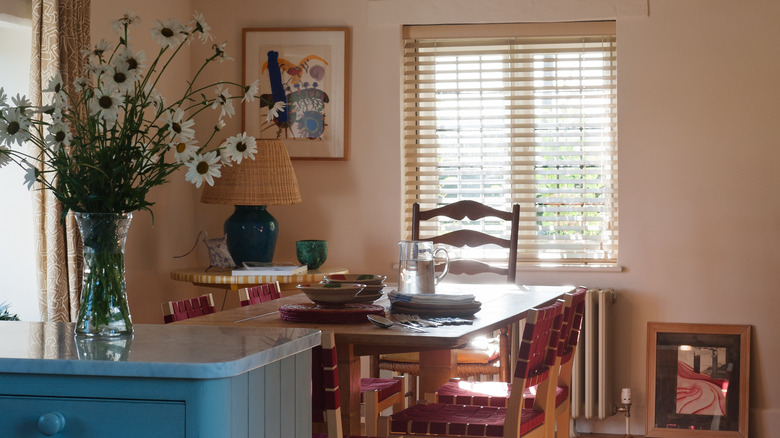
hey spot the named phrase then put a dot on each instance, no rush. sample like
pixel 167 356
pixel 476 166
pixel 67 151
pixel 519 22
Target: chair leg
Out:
pixel 371 401
pixel 411 394
pixel 383 426
pixel 562 422
pixel 401 403
pixel 373 366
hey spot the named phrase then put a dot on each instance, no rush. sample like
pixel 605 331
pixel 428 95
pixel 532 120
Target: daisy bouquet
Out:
pixel 101 147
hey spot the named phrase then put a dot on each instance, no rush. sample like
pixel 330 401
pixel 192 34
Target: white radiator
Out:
pixel 591 388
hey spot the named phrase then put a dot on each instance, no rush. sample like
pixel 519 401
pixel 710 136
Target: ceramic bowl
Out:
pixel 331 294
pixel 367 279
pixel 367 297
pixel 312 253
pixel 369 289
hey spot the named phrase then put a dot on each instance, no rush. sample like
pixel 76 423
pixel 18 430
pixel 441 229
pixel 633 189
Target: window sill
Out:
pixel 560 267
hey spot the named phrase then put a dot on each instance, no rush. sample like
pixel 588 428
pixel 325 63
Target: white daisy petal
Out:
pixel 14 127
pixel 199 25
pixel 203 167
pixel 168 34
pixel 251 91
pixel 240 146
pixel 184 150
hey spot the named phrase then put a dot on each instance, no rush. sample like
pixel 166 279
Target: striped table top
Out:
pixel 217 277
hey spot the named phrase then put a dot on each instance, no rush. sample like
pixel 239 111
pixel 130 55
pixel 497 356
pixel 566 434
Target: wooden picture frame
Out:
pixel 303 76
pixel 697 380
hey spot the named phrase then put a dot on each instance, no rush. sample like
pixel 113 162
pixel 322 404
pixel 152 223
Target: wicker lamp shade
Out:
pixel 269 179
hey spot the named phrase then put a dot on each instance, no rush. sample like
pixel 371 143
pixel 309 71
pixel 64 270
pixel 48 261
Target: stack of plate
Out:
pixel 374 285
pixel 434 304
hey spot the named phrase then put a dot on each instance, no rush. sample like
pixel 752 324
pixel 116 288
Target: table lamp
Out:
pixel 269 179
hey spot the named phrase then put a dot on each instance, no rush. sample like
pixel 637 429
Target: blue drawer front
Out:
pixel 94 418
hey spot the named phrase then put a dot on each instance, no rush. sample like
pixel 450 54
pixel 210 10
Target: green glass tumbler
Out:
pixel 312 253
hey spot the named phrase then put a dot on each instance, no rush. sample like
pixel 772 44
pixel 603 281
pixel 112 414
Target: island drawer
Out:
pixel 92 417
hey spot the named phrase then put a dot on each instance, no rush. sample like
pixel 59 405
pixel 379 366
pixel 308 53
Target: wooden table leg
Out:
pixel 436 369
pixel 349 385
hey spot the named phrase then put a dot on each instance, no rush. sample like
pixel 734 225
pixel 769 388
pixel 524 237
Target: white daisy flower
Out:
pixel 185 150
pixel 251 91
pixel 120 78
pixel 13 127
pixel 275 109
pixel 204 167
pixel 55 85
pixel 240 146
pixel 219 52
pixel 134 63
pixel 106 104
pixel 224 158
pixel 169 34
pixel 199 25
pixel 220 125
pixel 21 102
pixel 101 48
pixel 79 84
pixel 223 102
pixel 56 113
pixel 98 70
pixel 126 20
pixel 5 156
pixel 178 128
pixel 59 135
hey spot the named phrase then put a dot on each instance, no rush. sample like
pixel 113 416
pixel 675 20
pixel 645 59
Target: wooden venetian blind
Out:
pixel 527 114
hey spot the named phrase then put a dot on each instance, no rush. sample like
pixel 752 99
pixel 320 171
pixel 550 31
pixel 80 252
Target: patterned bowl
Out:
pixel 331 294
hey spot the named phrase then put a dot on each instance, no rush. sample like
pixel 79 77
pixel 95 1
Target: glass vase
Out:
pixel 103 309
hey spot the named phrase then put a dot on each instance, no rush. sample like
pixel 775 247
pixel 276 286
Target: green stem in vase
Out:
pixel 103 307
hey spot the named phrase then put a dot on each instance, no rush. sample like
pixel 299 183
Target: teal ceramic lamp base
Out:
pixel 251 234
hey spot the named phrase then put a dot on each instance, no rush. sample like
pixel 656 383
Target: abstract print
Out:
pixel 293 84
pixel 702 380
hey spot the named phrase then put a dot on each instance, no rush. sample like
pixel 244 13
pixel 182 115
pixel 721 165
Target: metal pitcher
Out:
pixel 416 273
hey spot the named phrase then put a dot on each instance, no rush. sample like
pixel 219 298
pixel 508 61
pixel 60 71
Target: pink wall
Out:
pixel 699 156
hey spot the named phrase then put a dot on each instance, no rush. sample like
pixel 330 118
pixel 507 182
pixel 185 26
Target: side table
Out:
pixel 222 278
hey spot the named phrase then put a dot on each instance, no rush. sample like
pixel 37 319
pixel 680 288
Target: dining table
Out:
pixel 501 305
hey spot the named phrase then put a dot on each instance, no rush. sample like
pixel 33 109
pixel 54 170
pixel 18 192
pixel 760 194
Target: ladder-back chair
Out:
pixel 189 308
pixel 326 401
pixel 461 237
pixel 259 294
pixel 534 367
pixel 496 393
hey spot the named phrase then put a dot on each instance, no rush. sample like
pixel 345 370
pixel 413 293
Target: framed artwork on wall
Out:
pixel 697 380
pixel 303 76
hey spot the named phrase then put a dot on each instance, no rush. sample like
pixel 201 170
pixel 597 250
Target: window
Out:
pixel 17 255
pixel 527 114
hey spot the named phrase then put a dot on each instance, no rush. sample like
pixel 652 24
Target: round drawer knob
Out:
pixel 51 423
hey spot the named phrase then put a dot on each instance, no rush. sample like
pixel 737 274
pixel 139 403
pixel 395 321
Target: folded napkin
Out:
pixel 432 299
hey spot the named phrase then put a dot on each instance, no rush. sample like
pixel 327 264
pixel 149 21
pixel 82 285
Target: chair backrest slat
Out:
pixel 472 210
pixel 574 306
pixel 188 308
pixel 539 344
pixel 259 294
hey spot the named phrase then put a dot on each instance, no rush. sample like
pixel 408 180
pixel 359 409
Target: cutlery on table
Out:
pixel 381 321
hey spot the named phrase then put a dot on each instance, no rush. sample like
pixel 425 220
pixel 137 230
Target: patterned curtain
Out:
pixel 60 32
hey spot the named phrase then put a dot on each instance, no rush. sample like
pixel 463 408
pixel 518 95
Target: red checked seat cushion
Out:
pixel 384 387
pixel 489 394
pixel 459 420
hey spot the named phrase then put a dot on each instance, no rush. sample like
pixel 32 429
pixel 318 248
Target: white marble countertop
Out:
pixel 163 351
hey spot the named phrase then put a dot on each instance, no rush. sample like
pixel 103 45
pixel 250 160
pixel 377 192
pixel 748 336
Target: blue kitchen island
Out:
pixel 164 381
